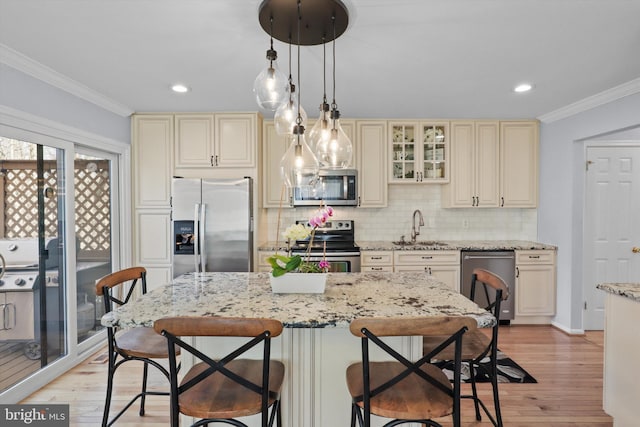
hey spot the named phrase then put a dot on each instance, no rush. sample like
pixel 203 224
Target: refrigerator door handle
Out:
pixel 203 246
pixel 196 237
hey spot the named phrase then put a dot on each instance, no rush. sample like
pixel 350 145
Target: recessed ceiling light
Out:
pixel 524 87
pixel 180 88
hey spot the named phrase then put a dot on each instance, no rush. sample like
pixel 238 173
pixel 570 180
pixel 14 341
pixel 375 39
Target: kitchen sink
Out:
pixel 403 243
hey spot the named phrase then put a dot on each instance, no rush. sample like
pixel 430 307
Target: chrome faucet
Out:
pixel 415 232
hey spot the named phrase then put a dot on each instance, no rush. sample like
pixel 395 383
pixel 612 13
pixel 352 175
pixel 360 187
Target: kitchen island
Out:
pixel 621 389
pixel 316 346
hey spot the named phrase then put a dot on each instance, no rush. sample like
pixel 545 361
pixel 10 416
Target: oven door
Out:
pixel 338 263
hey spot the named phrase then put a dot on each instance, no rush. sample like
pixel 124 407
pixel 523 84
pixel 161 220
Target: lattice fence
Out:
pixel 92 198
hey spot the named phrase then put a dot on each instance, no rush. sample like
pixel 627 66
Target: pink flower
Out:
pixel 323 265
pixel 329 210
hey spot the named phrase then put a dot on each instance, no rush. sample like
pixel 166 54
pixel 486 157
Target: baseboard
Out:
pixel 566 330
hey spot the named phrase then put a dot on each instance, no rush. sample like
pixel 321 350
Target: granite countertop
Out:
pixel 627 290
pixel 438 245
pixel 347 296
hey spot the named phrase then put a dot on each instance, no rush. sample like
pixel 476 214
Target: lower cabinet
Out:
pixel 444 266
pixel 535 286
pixel 263 266
pixel 376 261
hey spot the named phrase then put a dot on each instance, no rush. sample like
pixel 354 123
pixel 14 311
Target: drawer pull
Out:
pixel 427 257
pixel 534 256
pixel 376 257
pixel 376 268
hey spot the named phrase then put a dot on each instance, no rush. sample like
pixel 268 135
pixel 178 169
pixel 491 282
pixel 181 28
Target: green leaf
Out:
pixel 293 263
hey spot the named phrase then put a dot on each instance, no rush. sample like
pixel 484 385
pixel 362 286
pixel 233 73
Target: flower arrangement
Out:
pixel 282 264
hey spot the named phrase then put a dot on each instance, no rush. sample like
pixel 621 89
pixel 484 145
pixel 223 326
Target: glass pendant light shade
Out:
pixel 271 87
pixel 321 130
pixel 285 118
pixel 299 166
pixel 336 152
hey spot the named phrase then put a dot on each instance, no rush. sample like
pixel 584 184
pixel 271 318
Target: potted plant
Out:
pixel 291 273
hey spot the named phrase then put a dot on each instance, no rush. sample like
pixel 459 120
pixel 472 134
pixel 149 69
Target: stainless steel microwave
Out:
pixel 336 187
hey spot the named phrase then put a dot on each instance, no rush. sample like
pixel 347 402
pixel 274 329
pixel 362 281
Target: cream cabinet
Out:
pixel 376 261
pixel 475 160
pixel 493 164
pixel 152 160
pixel 215 140
pixel 263 265
pixel 519 164
pixel 418 152
pixel 442 265
pixel 371 155
pixel 273 148
pixel 152 167
pixel 535 289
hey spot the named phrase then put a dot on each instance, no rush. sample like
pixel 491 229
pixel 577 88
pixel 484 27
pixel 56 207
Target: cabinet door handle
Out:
pixel 359 201
pixel 212 161
pixel 517 272
pixel 502 202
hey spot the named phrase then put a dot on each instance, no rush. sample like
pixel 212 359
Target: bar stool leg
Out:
pixel 144 388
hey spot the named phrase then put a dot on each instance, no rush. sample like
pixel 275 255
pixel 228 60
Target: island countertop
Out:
pixel 347 296
pixel 627 290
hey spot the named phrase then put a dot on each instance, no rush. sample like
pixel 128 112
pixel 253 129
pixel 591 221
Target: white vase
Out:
pixel 299 283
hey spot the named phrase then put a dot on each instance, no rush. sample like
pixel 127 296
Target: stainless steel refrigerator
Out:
pixel 212 225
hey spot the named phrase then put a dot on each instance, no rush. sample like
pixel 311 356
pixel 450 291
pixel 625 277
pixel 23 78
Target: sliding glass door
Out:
pixel 33 326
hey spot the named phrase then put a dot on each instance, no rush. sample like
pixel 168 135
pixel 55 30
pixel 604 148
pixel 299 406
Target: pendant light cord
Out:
pixel 299 118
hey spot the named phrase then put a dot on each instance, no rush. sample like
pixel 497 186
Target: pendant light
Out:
pixel 299 166
pixel 270 86
pixel 335 153
pixel 321 131
pixel 285 118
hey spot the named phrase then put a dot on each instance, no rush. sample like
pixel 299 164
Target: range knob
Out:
pixel 19 282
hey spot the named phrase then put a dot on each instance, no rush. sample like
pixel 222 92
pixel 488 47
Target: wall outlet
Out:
pixel 465 223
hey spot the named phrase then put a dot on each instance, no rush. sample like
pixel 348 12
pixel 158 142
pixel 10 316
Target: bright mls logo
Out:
pixel 34 415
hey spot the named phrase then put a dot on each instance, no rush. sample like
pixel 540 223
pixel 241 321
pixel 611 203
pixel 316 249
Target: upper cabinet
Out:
pixel 418 152
pixel 215 140
pixel 274 192
pixel 519 164
pixel 371 153
pixel 475 158
pixel 493 164
pixel 152 148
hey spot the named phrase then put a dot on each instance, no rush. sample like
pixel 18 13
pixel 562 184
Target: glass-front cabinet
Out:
pixel 419 152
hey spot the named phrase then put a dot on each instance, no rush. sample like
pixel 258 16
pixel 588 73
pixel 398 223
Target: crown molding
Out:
pixel 41 72
pixel 596 100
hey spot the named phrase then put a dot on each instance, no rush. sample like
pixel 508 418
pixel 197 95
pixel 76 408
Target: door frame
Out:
pixel 586 249
pixel 19 125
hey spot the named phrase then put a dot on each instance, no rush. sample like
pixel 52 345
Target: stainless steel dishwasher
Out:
pixel 501 263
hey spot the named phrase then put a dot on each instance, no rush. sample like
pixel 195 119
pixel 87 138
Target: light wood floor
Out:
pixel 568 392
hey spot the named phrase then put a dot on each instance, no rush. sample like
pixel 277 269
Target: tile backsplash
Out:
pixel 394 221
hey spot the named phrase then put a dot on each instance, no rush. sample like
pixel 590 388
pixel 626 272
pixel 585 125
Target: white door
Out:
pixel 611 227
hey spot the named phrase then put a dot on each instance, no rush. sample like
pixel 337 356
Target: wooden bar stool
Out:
pixel 141 344
pixel 476 345
pixel 220 391
pixel 400 389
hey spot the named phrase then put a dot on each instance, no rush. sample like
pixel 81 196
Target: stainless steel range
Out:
pixel 19 290
pixel 338 237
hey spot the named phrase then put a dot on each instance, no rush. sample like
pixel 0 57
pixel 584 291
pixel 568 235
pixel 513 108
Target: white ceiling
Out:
pixel 397 59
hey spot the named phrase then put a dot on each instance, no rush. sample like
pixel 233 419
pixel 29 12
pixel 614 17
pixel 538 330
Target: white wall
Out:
pixel 30 95
pixel 562 165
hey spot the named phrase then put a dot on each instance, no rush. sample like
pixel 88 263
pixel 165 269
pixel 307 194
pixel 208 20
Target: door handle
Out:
pixel 635 250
